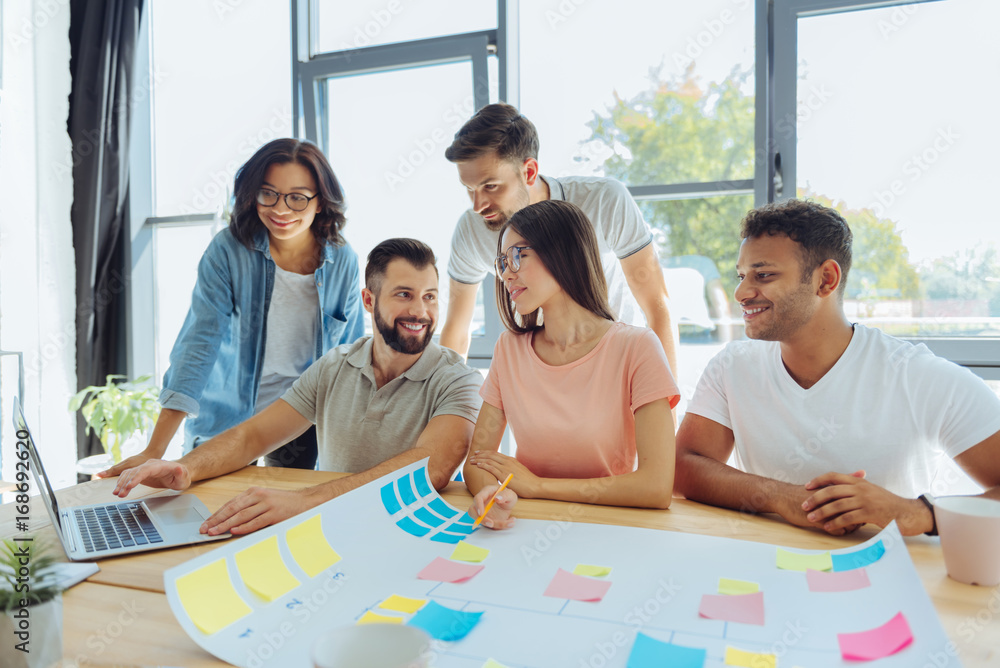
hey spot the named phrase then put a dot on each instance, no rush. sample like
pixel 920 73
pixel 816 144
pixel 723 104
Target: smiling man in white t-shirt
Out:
pixel 834 424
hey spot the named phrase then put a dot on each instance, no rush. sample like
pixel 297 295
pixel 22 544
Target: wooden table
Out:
pixel 120 616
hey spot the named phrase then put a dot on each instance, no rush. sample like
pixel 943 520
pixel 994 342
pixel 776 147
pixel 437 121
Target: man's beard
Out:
pixel 402 343
pixel 523 200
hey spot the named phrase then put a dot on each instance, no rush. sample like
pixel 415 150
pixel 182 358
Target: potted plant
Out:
pixel 118 410
pixel 31 605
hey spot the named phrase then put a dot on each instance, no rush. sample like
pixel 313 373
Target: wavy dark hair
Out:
pixel 563 238
pixel 496 127
pixel 330 219
pixel 821 232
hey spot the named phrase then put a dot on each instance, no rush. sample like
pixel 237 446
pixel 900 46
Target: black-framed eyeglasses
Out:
pixel 294 201
pixel 510 258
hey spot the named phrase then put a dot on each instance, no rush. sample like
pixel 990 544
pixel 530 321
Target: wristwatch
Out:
pixel 929 502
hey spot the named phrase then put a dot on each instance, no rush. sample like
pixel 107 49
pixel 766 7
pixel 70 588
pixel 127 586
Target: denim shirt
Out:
pixel 216 362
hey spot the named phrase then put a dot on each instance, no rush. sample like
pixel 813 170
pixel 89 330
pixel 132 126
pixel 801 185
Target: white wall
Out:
pixel 37 267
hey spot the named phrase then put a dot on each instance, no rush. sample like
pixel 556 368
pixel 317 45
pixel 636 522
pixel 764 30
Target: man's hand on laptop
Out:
pixel 132 462
pixel 153 473
pixel 256 508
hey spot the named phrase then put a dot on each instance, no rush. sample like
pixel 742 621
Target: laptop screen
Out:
pixel 42 480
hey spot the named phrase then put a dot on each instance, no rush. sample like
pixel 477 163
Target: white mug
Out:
pixel 372 646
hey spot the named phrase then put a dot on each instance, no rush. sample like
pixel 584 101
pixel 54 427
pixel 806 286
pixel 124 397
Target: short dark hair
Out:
pixel 496 127
pixel 563 238
pixel 821 231
pixel 329 220
pixel 413 251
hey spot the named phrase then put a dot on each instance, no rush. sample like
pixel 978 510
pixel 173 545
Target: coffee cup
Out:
pixel 969 527
pixel 372 646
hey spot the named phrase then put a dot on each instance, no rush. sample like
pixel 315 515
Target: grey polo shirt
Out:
pixel 359 426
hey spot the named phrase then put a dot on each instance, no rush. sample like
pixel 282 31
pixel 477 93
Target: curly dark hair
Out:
pixel 496 127
pixel 822 233
pixel 330 219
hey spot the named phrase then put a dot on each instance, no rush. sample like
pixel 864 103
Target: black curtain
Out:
pixel 103 41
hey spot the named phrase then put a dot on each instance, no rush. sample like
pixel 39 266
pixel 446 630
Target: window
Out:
pixel 897 133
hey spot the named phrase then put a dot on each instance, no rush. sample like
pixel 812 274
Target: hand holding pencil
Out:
pixel 492 506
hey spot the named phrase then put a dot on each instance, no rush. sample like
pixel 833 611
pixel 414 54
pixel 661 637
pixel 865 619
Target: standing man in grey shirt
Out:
pixel 378 404
pixel 496 152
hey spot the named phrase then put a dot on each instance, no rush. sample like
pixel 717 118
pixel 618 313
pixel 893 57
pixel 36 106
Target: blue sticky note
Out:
pixel 445 537
pixel 648 651
pixel 859 558
pixel 460 528
pixel 427 517
pixel 389 499
pixel 441 508
pixel 411 527
pixel 444 623
pixel 420 480
pixel 406 491
pixel 466 519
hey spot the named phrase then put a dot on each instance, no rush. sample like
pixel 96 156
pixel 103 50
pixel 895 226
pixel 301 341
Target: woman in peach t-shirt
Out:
pixel 588 398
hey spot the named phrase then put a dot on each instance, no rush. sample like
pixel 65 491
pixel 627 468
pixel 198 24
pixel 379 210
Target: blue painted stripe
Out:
pixel 427 517
pixel 406 491
pixel 443 509
pixel 423 485
pixel 389 499
pixel 411 527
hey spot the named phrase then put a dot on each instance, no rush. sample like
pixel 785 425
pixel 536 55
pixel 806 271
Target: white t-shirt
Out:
pixel 887 406
pixel 290 337
pixel 621 232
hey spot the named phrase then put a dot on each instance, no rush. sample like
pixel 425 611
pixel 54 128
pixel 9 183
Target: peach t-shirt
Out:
pixel 577 420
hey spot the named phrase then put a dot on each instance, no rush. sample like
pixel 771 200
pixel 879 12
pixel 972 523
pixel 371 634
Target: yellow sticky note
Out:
pixel 493 663
pixel 264 571
pixel 466 552
pixel 402 604
pixel 374 618
pixel 209 598
pixel 309 546
pixel 744 659
pixel 795 561
pixel 592 571
pixel 732 587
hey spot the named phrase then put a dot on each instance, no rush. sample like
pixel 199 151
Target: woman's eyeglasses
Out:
pixel 294 201
pixel 510 258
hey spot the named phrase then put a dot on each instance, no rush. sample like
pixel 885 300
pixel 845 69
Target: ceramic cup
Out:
pixel 372 646
pixel 970 538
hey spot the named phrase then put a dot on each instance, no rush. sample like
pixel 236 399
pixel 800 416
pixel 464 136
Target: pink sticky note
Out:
pixel 821 581
pixel 576 587
pixel 742 608
pixel 443 570
pixel 877 643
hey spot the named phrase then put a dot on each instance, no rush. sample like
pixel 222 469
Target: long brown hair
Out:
pixel 563 238
pixel 329 220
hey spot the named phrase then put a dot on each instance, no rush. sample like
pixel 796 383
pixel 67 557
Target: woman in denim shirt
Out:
pixel 276 290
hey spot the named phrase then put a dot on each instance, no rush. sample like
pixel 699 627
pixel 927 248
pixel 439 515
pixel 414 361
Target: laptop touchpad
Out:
pixel 174 510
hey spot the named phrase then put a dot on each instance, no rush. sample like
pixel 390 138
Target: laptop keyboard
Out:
pixel 120 525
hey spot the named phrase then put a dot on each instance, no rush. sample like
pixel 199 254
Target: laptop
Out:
pixel 122 527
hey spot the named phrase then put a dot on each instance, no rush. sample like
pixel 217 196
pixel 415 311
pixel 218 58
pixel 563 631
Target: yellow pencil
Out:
pixel 493 499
